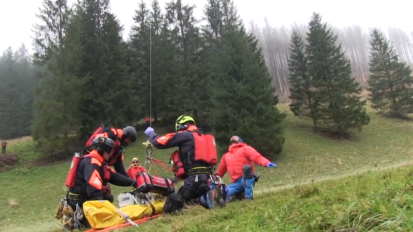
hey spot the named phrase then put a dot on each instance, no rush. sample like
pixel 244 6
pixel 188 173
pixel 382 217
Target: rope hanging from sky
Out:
pixel 150 67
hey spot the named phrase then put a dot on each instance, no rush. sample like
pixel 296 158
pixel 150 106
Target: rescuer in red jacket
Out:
pixel 92 178
pixel 3 147
pixel 193 161
pixel 135 168
pixel 239 162
pixel 121 138
pixel 147 121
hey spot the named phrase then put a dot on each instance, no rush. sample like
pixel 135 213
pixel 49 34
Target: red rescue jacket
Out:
pixel 133 171
pixel 237 156
pixel 189 142
pixel 115 135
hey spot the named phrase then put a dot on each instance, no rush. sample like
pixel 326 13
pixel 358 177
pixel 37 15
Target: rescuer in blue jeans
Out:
pixel 239 162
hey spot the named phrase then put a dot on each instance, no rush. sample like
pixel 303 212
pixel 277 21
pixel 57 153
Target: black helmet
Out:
pixel 129 132
pixel 102 144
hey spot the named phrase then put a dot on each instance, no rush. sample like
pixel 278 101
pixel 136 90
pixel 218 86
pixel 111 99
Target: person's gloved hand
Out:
pixel 135 184
pixel 149 130
pixel 271 165
pixel 175 180
pixel 106 190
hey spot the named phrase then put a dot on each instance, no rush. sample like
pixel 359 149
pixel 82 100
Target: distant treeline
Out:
pixel 275 42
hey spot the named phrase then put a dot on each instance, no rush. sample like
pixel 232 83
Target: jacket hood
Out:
pixel 236 146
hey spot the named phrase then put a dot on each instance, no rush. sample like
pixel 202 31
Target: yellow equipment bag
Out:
pixel 137 212
pixel 103 214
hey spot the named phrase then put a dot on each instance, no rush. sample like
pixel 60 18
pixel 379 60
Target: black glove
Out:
pixel 135 184
pixel 106 190
pixel 175 180
pixel 256 178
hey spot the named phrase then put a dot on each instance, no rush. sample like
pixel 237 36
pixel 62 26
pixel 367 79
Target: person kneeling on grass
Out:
pixel 239 162
pixel 92 182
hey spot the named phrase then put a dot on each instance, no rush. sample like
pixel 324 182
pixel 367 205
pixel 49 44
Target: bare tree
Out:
pixel 274 42
pixel 355 44
pixel 402 43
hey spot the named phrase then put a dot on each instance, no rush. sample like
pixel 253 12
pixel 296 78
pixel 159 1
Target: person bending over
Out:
pixel 239 162
pixel 92 179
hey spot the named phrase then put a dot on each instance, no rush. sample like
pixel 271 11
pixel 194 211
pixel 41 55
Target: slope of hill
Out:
pixel 374 201
pixel 36 191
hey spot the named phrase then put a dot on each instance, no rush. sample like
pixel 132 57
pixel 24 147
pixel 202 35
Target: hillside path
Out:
pixel 53 223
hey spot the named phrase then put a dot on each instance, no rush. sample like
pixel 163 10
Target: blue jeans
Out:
pixel 239 187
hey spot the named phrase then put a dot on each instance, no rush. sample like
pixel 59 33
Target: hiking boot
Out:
pixel 67 223
pixel 240 196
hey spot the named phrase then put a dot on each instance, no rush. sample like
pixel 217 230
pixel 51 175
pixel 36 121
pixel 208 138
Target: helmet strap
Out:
pixel 181 127
pixel 100 150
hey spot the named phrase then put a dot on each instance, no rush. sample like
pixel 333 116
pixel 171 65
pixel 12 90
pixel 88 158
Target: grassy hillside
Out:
pixel 35 191
pixel 375 201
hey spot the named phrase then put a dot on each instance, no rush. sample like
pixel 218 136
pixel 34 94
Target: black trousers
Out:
pixel 3 150
pixel 194 187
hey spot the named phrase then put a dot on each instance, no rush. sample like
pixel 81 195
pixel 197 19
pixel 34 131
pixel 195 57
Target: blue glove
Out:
pixel 148 131
pixel 271 165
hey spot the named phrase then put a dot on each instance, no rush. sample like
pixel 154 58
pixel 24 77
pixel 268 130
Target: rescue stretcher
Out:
pixel 142 204
pixel 134 208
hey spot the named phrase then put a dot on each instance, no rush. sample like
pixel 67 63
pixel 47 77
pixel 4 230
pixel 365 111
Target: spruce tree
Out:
pixel 243 98
pixel 140 57
pixel 149 59
pixel 109 93
pixel 8 92
pixel 303 103
pixel 219 14
pixel 390 82
pixel 58 96
pixel 337 92
pixel 160 60
pixel 185 37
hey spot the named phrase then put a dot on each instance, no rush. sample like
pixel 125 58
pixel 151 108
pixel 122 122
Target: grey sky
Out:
pixel 18 16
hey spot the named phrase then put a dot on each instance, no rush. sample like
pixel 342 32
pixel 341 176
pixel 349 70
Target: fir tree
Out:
pixel 186 89
pixel 160 60
pixel 150 59
pixel 390 82
pixel 337 93
pixel 58 96
pixel 109 93
pixel 140 57
pixel 303 104
pixel 219 14
pixel 17 78
pixel 243 97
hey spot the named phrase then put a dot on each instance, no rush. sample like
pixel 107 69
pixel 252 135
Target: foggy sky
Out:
pixel 18 16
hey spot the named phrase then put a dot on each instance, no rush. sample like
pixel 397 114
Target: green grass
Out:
pixel 375 201
pixel 30 195
pixel 25 147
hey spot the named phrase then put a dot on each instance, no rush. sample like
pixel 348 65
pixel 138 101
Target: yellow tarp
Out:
pixel 103 214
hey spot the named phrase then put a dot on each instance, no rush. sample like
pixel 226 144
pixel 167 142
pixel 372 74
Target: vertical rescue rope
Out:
pixel 150 66
pixel 148 145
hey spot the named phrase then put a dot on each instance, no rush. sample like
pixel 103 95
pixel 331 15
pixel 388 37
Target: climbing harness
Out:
pixel 150 160
pixel 220 190
pixel 77 217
